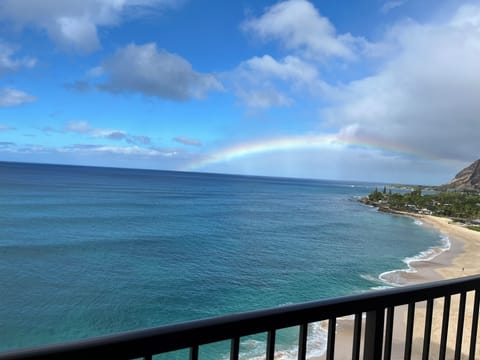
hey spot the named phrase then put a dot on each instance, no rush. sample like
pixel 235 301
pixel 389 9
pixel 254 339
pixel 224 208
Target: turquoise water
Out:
pixel 92 251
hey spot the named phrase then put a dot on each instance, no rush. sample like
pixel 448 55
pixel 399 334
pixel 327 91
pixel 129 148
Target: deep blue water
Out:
pixel 90 251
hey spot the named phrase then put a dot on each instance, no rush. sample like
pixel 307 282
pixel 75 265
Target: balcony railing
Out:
pixel 453 303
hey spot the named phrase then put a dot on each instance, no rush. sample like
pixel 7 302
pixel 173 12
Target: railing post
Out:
pixel 302 342
pixel 374 335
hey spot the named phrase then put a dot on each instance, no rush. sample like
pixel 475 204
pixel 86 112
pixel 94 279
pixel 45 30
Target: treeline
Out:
pixel 459 205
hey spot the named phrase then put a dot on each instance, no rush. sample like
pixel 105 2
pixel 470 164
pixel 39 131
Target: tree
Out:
pixel 376 195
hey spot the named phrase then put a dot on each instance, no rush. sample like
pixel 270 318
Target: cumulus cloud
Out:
pixel 12 97
pixel 290 68
pixel 187 141
pixel 264 82
pixel 311 41
pixel 9 96
pixel 73 24
pixel 150 71
pixel 8 63
pixel 264 99
pixel 298 26
pixel 425 97
pixel 420 96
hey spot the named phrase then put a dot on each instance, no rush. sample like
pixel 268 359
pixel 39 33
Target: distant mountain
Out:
pixel 468 179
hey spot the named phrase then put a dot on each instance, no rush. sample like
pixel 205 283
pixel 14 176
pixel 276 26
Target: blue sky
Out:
pixel 354 90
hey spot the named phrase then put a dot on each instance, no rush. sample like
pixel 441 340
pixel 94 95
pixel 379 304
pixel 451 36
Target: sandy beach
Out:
pixel 462 259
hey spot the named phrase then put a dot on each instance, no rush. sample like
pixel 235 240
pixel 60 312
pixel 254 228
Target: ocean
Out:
pixel 88 251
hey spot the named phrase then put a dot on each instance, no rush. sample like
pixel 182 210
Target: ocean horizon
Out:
pixel 91 251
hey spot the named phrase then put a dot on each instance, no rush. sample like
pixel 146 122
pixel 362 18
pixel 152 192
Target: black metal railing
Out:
pixel 372 327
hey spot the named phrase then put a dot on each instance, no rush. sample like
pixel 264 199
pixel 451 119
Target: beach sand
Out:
pixel 462 259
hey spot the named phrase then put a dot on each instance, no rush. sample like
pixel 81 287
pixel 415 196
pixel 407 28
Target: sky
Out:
pixel 374 90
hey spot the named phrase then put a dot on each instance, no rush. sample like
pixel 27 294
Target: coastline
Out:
pixel 461 261
pixel 425 267
pixel 458 258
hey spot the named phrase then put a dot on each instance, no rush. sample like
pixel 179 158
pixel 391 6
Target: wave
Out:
pixel 381 287
pixel 418 222
pixel 252 349
pixel 372 278
pixel 393 277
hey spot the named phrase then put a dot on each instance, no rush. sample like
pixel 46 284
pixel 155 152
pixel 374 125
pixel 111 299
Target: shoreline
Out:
pixel 459 258
pixel 425 266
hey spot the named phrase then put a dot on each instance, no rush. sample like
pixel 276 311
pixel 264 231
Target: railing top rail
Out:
pixel 140 343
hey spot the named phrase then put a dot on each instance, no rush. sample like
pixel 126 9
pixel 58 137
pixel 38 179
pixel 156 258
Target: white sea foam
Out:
pixel 317 341
pixel 382 284
pixel 382 287
pixel 418 222
pixel 252 349
pixel 393 277
pixel 286 304
pixel 445 240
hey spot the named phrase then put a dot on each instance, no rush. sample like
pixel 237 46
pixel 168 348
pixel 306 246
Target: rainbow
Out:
pixel 295 143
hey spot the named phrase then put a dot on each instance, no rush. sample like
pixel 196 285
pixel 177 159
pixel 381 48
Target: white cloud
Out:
pixel 9 96
pixel 73 24
pixel 118 150
pixel 467 17
pixel 264 82
pixel 80 33
pixel 134 152
pixel 311 42
pixel 390 5
pixel 84 128
pixel 8 64
pixel 291 68
pixel 96 155
pixel 424 98
pixel 150 71
pixel 420 99
pixel 299 26
pixel 12 97
pixel 78 126
pixel 187 141
pixel 264 99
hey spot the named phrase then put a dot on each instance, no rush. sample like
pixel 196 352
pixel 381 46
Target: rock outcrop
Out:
pixel 468 179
